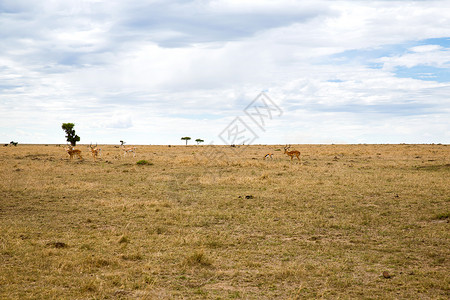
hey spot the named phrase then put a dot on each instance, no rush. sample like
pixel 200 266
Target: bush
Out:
pixel 143 162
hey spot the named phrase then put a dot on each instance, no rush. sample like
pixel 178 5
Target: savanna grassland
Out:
pixel 217 222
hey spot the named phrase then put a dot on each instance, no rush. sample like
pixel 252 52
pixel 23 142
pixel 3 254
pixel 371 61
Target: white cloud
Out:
pixel 117 120
pixel 150 72
pixel 426 48
pixel 428 55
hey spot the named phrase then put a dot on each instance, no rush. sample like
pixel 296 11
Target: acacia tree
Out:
pixel 71 137
pixel 199 141
pixel 186 138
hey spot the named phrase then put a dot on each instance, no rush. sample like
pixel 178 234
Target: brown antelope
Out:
pixel 71 151
pixel 268 155
pixel 95 151
pixel 292 153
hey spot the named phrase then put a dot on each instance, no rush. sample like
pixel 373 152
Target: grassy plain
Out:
pixel 208 222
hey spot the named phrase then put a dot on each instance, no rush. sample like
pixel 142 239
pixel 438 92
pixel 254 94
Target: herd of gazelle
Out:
pixel 95 151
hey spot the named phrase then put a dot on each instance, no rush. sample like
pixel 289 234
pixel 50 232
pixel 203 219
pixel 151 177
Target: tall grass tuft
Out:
pixel 198 258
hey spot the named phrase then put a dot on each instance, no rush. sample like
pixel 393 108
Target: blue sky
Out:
pixel 150 72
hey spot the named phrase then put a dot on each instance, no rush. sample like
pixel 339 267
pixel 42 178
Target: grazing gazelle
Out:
pixel 71 151
pixel 292 153
pixel 268 155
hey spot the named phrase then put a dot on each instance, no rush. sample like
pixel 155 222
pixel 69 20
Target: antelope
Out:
pixel 292 153
pixel 127 149
pixel 268 155
pixel 71 151
pixel 95 151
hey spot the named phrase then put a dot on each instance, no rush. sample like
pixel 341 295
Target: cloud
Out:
pixel 128 70
pixel 428 55
pixel 426 48
pixel 168 24
pixel 117 120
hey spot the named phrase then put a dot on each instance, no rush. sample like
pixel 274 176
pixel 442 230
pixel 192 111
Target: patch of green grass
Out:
pixel 144 162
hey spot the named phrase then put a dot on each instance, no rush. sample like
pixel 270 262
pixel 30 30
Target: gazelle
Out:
pixel 71 151
pixel 268 155
pixel 127 149
pixel 292 153
pixel 95 151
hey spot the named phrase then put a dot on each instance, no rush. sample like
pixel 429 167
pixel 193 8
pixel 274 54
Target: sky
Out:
pixel 225 71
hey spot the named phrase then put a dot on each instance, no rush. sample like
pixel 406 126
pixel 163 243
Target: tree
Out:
pixel 186 138
pixel 199 141
pixel 71 137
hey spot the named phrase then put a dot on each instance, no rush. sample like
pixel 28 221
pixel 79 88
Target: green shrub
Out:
pixel 144 162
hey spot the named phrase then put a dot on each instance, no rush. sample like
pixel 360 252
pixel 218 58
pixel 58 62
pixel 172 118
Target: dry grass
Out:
pixel 183 226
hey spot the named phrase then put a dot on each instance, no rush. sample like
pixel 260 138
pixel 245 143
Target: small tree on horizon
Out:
pixel 71 137
pixel 186 138
pixel 199 141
